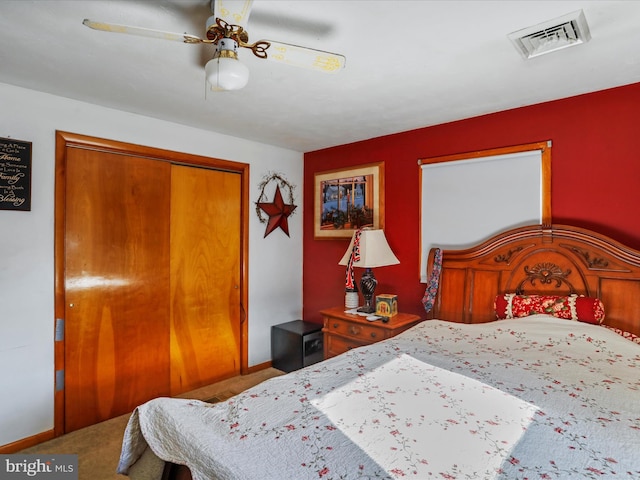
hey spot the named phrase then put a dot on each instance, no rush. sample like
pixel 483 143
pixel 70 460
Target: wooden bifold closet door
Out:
pixel 152 281
pixel 205 276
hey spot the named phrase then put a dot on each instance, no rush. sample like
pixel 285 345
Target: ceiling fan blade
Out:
pixel 144 32
pixel 235 12
pixel 305 57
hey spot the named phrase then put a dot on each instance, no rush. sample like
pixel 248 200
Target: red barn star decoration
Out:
pixel 278 212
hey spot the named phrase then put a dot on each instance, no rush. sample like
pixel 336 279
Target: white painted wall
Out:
pixel 27 255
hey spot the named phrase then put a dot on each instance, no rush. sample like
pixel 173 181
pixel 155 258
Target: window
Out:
pixel 468 198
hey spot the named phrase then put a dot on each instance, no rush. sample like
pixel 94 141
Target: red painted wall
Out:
pixel 595 182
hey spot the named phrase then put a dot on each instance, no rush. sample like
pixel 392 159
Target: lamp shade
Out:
pixel 374 250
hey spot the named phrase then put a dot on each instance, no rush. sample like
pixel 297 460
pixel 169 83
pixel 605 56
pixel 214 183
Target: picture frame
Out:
pixel 15 175
pixel 348 199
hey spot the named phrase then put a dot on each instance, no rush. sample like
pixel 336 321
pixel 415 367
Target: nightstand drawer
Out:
pixel 365 333
pixel 344 331
pixel 336 345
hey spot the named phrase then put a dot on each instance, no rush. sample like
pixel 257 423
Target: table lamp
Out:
pixel 368 249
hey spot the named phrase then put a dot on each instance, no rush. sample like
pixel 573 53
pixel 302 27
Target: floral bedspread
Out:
pixel 531 398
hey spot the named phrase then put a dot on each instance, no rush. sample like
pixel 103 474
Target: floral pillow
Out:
pixel 571 307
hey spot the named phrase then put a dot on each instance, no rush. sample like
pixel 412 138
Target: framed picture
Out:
pixel 348 199
pixel 15 174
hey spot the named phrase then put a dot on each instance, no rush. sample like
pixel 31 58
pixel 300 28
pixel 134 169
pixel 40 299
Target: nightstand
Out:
pixel 344 331
pixel 295 345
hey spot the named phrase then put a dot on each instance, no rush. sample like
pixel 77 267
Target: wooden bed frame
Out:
pixel 558 259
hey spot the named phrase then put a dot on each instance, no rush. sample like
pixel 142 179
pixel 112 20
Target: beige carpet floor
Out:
pixel 98 446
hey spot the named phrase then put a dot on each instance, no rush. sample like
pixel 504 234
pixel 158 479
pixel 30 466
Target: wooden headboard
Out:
pixel 559 259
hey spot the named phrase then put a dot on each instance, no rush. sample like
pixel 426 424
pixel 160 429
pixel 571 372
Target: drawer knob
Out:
pixel 336 325
pixel 373 335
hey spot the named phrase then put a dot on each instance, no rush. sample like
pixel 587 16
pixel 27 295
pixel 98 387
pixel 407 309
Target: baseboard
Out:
pixel 257 368
pixel 26 442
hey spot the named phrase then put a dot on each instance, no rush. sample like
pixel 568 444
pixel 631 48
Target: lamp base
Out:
pixel 367 309
pixel 367 286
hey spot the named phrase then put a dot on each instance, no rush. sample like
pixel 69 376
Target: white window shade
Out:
pixel 467 201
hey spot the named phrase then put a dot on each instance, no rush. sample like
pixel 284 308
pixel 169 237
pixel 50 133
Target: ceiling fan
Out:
pixel 224 30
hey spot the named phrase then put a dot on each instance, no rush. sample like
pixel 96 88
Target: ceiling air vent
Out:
pixel 567 31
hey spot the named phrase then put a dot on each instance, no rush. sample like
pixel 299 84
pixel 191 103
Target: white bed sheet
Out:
pixel 537 397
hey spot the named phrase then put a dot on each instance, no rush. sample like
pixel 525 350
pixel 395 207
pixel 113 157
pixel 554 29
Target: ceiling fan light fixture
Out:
pixel 224 71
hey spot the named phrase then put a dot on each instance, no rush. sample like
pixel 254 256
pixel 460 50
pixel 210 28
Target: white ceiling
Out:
pixel 410 64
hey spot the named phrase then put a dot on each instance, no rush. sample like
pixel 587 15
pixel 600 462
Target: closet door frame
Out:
pixel 67 140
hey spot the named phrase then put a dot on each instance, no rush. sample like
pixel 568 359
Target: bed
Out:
pixel 534 393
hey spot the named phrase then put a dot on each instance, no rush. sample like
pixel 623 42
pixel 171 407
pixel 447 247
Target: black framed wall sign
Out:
pixel 15 174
